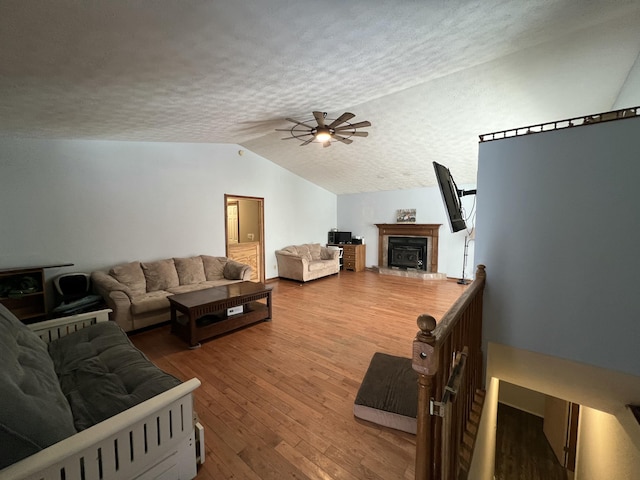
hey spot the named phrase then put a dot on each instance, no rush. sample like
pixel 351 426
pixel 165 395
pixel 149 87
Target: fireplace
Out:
pixel 408 252
pixel 420 245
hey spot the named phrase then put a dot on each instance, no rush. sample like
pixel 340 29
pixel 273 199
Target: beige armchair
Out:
pixel 307 262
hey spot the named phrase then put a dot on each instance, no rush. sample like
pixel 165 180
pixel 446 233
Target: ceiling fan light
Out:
pixel 339 130
pixel 323 136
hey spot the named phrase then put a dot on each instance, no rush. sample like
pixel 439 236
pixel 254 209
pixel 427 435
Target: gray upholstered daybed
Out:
pixel 79 401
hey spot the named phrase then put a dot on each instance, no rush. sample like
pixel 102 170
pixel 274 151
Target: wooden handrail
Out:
pixel 436 353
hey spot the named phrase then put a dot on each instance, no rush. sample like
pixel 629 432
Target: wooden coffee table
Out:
pixel 206 311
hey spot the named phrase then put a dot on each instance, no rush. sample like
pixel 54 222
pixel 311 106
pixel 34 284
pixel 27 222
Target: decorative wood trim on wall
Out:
pixel 431 230
pixel 248 253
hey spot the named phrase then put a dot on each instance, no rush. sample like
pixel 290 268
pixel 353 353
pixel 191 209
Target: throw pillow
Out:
pixel 160 275
pixel 190 270
pixel 314 250
pixel 213 267
pixel 233 270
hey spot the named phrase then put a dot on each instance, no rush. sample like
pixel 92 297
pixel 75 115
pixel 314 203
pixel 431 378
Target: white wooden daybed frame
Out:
pixel 156 439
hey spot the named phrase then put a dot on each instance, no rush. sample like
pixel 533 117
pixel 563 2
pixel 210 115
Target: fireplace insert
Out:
pixel 407 252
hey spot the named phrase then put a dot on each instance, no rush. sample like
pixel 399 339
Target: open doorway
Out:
pixel 536 435
pixel 244 232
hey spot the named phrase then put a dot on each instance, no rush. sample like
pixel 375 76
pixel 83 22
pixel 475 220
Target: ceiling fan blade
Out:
pixel 299 123
pixel 319 118
pixel 297 137
pixel 355 134
pixel 327 143
pixel 307 142
pixel 345 117
pixel 342 139
pixel 354 125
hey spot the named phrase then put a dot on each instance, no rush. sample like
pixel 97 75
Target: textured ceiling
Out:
pixel 429 75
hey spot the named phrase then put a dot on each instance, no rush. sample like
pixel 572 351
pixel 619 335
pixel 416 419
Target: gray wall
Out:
pixel 99 203
pixel 558 224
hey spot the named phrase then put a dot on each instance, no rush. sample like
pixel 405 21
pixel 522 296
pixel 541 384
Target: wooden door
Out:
pixel 561 429
pixel 232 222
pixel 556 426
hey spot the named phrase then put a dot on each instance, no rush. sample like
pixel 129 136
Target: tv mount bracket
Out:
pixel 462 193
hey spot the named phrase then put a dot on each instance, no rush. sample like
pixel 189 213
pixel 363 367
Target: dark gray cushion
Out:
pixel 33 411
pixel 389 393
pixel 102 374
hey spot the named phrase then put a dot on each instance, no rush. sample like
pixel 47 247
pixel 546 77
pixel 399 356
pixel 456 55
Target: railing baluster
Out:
pixel 433 359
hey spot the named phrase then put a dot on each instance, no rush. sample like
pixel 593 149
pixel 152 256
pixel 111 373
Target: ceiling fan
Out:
pixel 339 130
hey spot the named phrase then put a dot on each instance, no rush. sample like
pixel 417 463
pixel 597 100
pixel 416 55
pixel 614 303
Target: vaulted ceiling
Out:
pixel 430 75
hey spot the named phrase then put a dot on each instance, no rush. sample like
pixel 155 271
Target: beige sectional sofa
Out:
pixel 137 292
pixel 307 262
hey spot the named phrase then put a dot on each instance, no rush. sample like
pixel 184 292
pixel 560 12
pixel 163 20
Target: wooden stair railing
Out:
pixel 447 356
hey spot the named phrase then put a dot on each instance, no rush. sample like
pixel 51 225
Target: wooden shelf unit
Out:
pixel 353 257
pixel 29 306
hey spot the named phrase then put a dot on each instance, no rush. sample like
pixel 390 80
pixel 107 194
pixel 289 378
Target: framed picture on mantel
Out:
pixel 407 215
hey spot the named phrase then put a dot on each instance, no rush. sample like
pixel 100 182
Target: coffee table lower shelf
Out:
pixel 205 312
pixel 213 325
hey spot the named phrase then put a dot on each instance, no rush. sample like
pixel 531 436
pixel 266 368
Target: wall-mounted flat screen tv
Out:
pixel 450 197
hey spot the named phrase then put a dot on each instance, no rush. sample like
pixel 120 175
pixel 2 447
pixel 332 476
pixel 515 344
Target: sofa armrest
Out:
pixel 237 271
pixel 101 447
pixel 291 266
pixel 117 296
pixel 50 330
pixel 104 283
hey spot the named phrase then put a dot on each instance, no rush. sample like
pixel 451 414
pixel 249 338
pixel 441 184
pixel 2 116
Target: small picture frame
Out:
pixel 406 215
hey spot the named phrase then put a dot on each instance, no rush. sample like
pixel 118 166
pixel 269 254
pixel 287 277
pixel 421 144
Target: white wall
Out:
pixel 558 224
pixel 604 448
pixel 603 391
pixel 522 398
pixel 99 203
pixel 358 213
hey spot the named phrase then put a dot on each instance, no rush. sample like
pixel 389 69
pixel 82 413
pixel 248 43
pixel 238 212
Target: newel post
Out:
pixel 425 362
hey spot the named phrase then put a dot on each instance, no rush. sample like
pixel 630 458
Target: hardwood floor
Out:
pixel 522 450
pixel 277 397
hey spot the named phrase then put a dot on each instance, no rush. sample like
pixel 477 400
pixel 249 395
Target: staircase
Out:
pixel 470 434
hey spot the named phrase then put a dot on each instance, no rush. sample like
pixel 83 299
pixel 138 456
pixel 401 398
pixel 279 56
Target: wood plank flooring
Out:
pixel 522 450
pixel 277 397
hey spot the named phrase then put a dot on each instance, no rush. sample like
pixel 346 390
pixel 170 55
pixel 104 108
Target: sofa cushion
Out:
pixel 190 288
pixel 329 253
pixel 214 267
pixel 102 373
pixel 301 251
pixel 314 266
pixel 314 250
pixel 131 275
pixel 218 283
pixel 304 251
pixel 160 275
pixel 190 270
pixel 33 410
pixel 150 302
